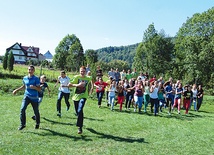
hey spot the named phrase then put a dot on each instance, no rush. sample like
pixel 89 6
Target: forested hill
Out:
pixel 125 53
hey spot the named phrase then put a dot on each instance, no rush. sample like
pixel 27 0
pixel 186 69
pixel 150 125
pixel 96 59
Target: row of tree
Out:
pixel 8 61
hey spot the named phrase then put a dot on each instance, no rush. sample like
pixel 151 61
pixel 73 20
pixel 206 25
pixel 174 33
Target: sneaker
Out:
pixel 37 126
pixel 21 127
pixel 179 112
pixel 79 130
pixel 134 110
pixel 169 113
pixel 33 117
pixel 59 114
pixel 68 107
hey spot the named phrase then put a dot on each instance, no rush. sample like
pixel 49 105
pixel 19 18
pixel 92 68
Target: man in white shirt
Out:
pixel 64 91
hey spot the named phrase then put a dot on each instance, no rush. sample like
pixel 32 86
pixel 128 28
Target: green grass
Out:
pixel 21 70
pixel 104 131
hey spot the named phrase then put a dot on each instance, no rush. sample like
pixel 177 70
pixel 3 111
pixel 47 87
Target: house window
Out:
pixel 20 52
pixel 20 57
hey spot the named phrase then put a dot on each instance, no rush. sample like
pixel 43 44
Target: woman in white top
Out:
pixel 194 91
pixel 146 95
pixel 154 97
pixel 111 94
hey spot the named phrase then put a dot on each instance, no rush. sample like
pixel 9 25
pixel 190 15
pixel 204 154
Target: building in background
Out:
pixel 22 54
pixel 48 56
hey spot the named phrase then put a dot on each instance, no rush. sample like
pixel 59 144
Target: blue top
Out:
pixel 29 92
pixel 43 86
pixel 168 88
pixel 87 70
pixel 178 90
pixel 117 76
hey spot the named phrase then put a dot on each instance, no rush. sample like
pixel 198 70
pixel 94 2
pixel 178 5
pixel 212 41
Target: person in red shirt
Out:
pixel 100 89
pixel 152 79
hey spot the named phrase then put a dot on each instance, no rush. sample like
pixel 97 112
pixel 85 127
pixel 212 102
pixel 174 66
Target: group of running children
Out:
pixel 141 91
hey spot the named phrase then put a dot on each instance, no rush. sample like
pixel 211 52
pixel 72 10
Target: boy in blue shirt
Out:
pixel 31 84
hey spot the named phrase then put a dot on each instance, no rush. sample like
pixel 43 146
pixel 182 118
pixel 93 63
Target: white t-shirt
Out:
pixel 194 93
pixel 64 81
pixel 112 91
pixel 154 94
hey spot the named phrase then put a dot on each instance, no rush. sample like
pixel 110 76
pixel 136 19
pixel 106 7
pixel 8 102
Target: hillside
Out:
pixel 125 53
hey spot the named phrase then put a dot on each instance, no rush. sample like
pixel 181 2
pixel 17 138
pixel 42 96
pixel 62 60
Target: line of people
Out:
pixel 141 91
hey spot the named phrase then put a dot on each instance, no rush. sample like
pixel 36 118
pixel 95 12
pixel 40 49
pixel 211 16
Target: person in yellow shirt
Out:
pixel 81 83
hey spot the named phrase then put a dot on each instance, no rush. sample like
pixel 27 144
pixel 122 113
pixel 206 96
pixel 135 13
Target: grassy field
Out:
pixel 104 131
pixel 21 70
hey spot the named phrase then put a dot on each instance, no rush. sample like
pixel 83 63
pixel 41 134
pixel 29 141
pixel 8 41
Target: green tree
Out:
pixel 10 61
pixel 75 57
pixel 44 63
pixel 91 56
pixel 138 63
pixel 154 54
pixel 5 60
pixel 120 64
pixel 194 46
pixel 69 53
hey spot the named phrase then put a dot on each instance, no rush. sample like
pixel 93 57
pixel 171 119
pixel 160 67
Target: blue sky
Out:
pixel 97 23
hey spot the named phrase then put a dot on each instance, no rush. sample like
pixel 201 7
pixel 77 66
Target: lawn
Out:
pixel 104 131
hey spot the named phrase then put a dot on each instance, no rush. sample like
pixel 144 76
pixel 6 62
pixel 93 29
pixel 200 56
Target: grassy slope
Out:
pixel 105 132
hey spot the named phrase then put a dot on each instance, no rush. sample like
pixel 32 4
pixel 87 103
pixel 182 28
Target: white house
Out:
pixel 23 53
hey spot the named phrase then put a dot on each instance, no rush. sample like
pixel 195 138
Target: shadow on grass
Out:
pixel 54 133
pixel 188 117
pixel 208 112
pixel 93 119
pixel 55 122
pixel 116 138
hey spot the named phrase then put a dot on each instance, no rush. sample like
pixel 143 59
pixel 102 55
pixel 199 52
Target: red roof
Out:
pixel 35 49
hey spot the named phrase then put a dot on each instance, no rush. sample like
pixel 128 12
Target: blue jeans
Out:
pixel 139 101
pixel 154 102
pixel 111 101
pixel 60 96
pixel 40 100
pixel 129 98
pixel 99 97
pixel 199 102
pixel 195 104
pixel 79 105
pixel 25 102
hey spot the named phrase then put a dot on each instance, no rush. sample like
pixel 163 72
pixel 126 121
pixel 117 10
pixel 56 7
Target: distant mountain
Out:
pixel 48 55
pixel 125 53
